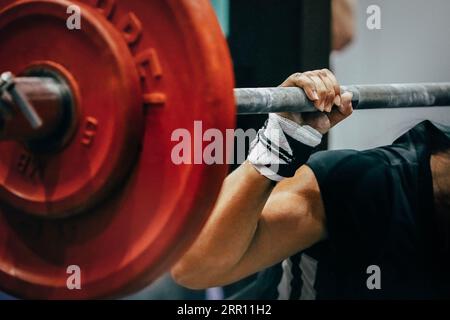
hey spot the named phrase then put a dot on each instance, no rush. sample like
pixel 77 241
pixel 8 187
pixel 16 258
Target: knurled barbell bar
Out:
pixel 86 176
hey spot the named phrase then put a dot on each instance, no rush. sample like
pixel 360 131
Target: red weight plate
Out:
pixel 107 120
pixel 140 230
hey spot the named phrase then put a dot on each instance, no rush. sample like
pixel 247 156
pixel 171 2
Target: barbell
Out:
pixel 86 117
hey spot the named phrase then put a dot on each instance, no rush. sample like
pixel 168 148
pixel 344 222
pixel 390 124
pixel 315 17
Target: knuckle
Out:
pixel 326 72
pixel 331 75
pixel 322 91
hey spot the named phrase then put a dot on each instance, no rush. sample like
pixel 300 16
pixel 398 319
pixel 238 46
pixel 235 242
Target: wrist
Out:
pixel 295 117
pixel 282 146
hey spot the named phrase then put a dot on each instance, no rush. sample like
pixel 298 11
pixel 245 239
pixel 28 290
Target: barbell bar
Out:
pixel 379 96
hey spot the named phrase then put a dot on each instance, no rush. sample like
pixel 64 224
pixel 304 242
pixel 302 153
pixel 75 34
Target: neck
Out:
pixel 440 170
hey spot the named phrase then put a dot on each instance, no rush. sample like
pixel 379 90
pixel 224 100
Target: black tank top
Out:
pixel 379 212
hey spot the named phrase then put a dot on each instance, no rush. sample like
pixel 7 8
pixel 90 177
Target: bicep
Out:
pixel 292 220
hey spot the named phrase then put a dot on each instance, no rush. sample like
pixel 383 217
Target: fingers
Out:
pixel 301 80
pixel 343 111
pixel 330 94
pixel 323 89
pixel 320 86
pixel 346 107
pixel 336 86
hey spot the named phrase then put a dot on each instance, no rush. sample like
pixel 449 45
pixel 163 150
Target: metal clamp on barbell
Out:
pixel 33 107
pixel 8 85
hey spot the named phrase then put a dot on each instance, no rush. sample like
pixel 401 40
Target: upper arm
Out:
pixel 292 220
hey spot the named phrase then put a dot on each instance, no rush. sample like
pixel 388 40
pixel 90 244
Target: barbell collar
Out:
pixel 32 110
pixel 21 100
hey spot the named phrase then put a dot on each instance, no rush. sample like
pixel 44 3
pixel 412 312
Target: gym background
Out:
pixel 271 39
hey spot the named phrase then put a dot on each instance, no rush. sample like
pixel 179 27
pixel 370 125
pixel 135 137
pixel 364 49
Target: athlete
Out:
pixel 334 224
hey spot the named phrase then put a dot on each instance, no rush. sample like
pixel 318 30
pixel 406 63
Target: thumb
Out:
pixel 339 113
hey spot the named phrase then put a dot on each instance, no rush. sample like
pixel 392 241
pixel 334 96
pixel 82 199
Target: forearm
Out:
pixel 230 229
pixel 291 221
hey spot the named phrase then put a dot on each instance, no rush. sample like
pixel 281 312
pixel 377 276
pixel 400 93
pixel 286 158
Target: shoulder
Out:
pixel 338 166
pixel 354 181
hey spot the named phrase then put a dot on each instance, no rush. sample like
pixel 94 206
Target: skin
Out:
pixel 440 168
pixel 255 225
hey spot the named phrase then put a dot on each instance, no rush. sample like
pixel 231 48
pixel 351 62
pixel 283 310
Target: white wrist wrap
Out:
pixel 282 146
